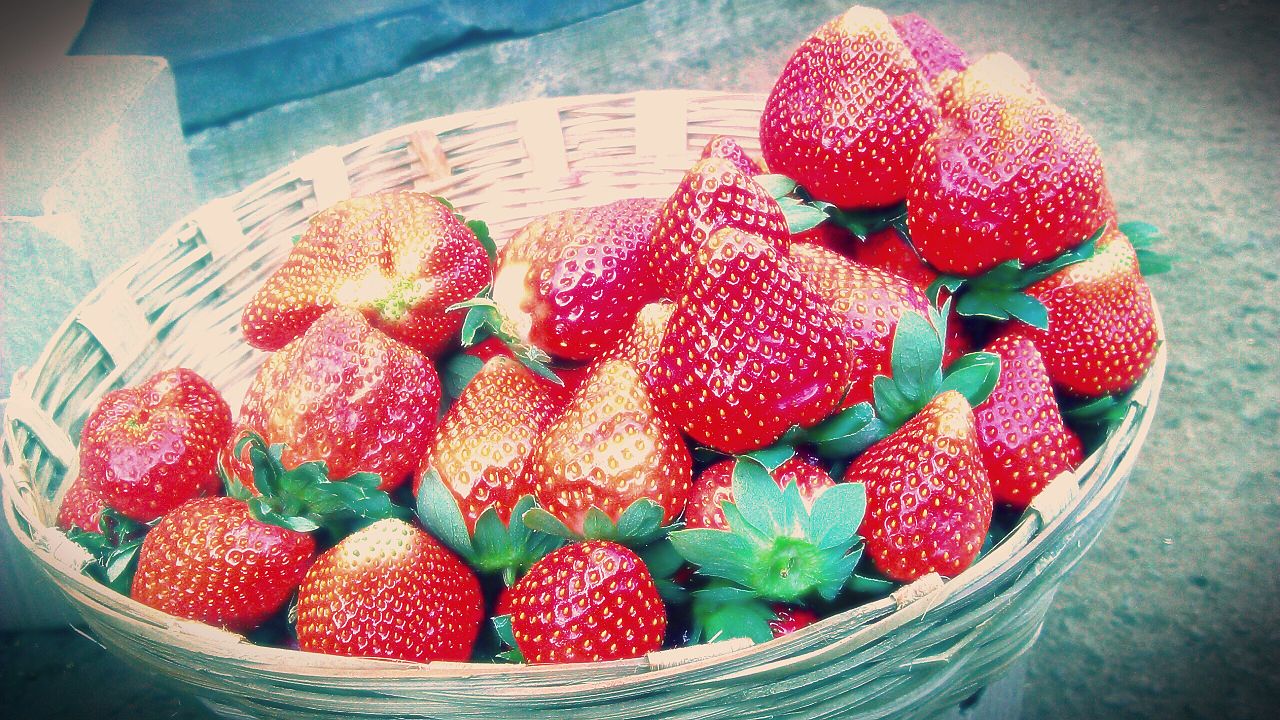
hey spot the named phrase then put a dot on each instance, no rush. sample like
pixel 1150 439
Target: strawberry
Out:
pixel 347 394
pixel 572 281
pixel 209 560
pixel 609 450
pixel 827 235
pixel 939 58
pixel 390 591
pixel 149 448
pixel 723 146
pixel 750 350
pixel 81 507
pixel 928 496
pixel 715 485
pixel 790 618
pixel 1101 335
pixel 1007 176
pixel 401 259
pixel 869 301
pixel 849 113
pixel 588 602
pixel 1020 430
pixel 713 194
pixel 640 346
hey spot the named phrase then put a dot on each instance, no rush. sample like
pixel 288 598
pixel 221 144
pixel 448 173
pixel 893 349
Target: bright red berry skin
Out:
pixel 609 448
pixel 481 451
pixel 1024 441
pixel 401 259
pixel 939 58
pixel 715 485
pixel 588 602
pixel 1102 335
pixel 849 113
pixel 1007 176
pixel 790 618
pixel 928 496
pixel 870 303
pixel 346 393
pixel 390 591
pixel 750 350
pixel 81 507
pixel 149 448
pixel 713 194
pixel 209 560
pixel 723 146
pixel 572 281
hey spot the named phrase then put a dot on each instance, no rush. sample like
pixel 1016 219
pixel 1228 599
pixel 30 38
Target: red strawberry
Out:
pixel 928 497
pixel 1007 176
pixel 751 350
pixel 609 448
pixel 715 485
pixel 390 591
pixel 401 259
pixel 870 303
pixel 713 194
pixel 1102 333
pixel 640 346
pixel 209 560
pixel 81 507
pixel 587 602
pixel 1024 441
pixel 150 448
pixel 849 112
pixel 723 146
pixel 939 58
pixel 349 395
pixel 790 618
pixel 482 449
pixel 828 235
pixel 572 281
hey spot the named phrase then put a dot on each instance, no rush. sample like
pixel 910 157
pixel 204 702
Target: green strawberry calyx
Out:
pixel 803 213
pixel 303 498
pixel 639 525
pixel 725 612
pixel 507 636
pixel 998 294
pixel 484 319
pixel 1143 236
pixel 114 550
pixel 916 378
pixel 506 549
pixel 775 547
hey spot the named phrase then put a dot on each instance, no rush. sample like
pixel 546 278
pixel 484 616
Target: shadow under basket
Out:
pixel 923 652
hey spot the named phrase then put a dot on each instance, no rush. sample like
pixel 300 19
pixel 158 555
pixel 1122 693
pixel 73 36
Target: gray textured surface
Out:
pixel 1174 612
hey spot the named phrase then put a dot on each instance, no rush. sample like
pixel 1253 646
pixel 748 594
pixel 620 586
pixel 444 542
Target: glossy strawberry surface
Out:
pixel 750 350
pixel 390 591
pixel 572 281
pixel 209 560
pixel 1007 176
pixel 80 507
pixel 482 448
pixel 938 57
pixel 152 447
pixel 1102 333
pixel 609 448
pixel 587 602
pixel 849 113
pixel 928 495
pixel 402 259
pixel 713 194
pixel 723 146
pixel 348 394
pixel 715 485
pixel 1024 441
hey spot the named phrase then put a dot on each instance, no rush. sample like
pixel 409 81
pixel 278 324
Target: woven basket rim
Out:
pixel 26 513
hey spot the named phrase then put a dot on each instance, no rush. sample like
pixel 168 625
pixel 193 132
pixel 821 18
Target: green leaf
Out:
pixel 478 317
pixel 974 376
pixel 1027 309
pixel 596 525
pixel 868 585
pixel 721 593
pixel 892 406
pixel 802 217
pixel 717 553
pixel 837 514
pixel 866 222
pixel 544 522
pixel 776 185
pixel 661 558
pixel 772 457
pixel 537 363
pixel 1151 262
pixel 982 303
pixel 950 283
pixel 916 358
pixel 458 373
pixel 481 230
pixel 502 628
pixel 440 515
pixel 756 494
pixel 1138 231
pixel 748 619
pixel 640 523
pixel 853 444
pixel 846 422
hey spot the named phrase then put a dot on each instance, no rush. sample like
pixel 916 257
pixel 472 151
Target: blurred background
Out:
pixel 118 117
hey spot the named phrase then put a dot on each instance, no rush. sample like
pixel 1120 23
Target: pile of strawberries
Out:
pixel 727 413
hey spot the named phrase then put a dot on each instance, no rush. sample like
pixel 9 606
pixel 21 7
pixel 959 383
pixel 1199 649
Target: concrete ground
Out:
pixel 1175 613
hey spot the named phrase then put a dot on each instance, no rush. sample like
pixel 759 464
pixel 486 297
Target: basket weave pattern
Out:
pixel 908 656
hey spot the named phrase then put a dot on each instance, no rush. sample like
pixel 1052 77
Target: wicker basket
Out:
pixel 912 655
